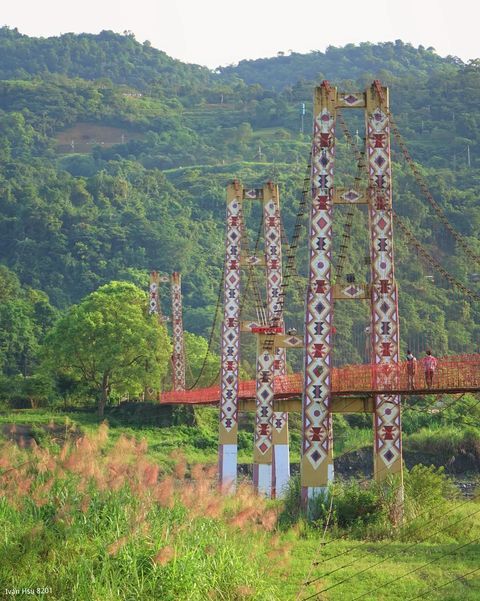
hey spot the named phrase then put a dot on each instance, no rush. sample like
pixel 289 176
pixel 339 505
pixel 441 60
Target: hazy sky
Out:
pixel 220 32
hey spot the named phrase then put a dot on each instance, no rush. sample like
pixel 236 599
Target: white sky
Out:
pixel 220 32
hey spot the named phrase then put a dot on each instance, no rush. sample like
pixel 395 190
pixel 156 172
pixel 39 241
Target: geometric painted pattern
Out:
pixel 351 100
pixel 385 324
pixel 275 301
pixel 351 291
pixel 280 420
pixel 351 196
pixel 178 356
pixel 253 194
pixel 262 452
pixel 230 342
pixel 153 304
pixel 273 261
pixel 319 305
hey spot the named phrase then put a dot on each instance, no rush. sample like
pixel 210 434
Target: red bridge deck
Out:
pixel 454 374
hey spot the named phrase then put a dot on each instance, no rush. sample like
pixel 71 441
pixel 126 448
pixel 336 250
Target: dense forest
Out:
pixel 76 216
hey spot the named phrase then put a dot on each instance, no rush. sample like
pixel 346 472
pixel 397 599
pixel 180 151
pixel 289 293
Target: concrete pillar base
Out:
pixel 262 479
pixel 281 469
pixel 227 467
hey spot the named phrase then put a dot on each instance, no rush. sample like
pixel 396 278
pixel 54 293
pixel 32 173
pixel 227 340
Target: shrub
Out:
pixel 205 441
pixel 431 509
pixel 357 505
pixel 374 510
pixel 245 441
pixel 446 441
pixel 427 486
pixel 292 503
pixel 344 505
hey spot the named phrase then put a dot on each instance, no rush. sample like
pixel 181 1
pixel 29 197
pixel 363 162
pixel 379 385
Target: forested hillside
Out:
pixel 71 221
pixel 118 58
pixel 349 62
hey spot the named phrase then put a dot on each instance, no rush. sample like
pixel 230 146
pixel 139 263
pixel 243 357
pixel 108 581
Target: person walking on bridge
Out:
pixel 411 369
pixel 429 365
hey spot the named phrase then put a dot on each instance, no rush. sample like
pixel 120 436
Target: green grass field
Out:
pixel 132 512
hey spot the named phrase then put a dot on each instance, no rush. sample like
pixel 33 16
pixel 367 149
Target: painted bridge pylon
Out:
pixel 322 291
pixel 178 358
pixel 317 457
pixel 271 461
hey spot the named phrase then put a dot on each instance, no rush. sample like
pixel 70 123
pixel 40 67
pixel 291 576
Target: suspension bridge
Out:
pixel 454 374
pixel 322 388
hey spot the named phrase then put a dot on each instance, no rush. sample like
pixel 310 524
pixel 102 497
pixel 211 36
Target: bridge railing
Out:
pixel 455 373
pixel 459 373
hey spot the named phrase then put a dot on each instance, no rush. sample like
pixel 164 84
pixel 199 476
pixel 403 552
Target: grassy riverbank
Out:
pixel 99 517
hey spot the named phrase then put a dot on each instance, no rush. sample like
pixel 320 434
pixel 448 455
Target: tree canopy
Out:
pixel 108 342
pixel 79 209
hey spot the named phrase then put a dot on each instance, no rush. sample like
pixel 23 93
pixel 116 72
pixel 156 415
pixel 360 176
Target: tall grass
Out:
pixel 101 518
pixel 94 522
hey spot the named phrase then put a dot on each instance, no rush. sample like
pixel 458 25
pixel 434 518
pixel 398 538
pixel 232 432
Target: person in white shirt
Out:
pixel 411 369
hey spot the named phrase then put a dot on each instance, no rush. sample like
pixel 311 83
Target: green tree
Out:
pixel 25 315
pixel 19 344
pixel 110 343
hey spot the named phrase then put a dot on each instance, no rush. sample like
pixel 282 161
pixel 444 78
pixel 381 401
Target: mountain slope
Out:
pixel 71 221
pixel 119 58
pixel 365 61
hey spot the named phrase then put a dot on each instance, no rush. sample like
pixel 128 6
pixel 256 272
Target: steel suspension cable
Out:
pixel 403 526
pixel 386 545
pixel 291 253
pixel 422 184
pixel 286 244
pixel 260 304
pixel 217 309
pixel 322 542
pixel 366 541
pixel 293 246
pixel 212 332
pixel 444 408
pixel 433 262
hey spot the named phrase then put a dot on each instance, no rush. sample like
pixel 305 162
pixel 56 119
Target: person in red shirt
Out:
pixel 429 365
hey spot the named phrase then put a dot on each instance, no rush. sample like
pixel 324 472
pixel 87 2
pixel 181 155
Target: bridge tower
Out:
pixel 230 342
pixel 384 299
pixel 154 307
pixel 317 459
pixel 178 355
pixel 274 273
pixel 271 461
